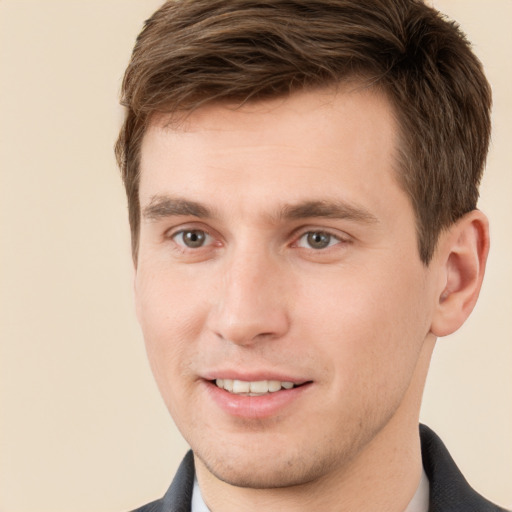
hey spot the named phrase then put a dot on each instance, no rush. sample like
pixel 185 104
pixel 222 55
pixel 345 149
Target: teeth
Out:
pixel 260 386
pixel 253 388
pixel 274 385
pixel 240 386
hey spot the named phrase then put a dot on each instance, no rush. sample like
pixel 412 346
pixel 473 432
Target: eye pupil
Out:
pixel 318 240
pixel 194 238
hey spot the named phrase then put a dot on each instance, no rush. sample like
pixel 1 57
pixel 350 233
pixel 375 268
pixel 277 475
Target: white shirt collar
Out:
pixel 420 500
pixel 198 504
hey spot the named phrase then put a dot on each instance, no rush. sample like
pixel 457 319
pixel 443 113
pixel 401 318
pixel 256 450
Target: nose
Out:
pixel 251 300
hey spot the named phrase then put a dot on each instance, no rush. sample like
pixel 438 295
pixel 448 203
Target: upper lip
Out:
pixel 253 376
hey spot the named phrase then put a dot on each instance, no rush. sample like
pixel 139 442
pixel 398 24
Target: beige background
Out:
pixel 82 427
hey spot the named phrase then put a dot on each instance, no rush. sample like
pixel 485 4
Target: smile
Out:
pixel 252 388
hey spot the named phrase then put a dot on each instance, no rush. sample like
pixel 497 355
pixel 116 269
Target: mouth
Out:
pixel 258 398
pixel 254 388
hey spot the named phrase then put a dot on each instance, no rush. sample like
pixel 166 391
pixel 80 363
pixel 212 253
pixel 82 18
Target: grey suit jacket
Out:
pixel 449 491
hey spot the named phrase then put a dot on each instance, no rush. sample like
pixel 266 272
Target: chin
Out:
pixel 256 476
pixel 259 469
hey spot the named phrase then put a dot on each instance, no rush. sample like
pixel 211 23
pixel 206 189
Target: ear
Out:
pixel 461 257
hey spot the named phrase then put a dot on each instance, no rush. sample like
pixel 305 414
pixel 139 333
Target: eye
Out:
pixel 317 240
pixel 192 238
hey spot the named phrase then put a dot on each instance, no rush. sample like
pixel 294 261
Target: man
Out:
pixel 302 179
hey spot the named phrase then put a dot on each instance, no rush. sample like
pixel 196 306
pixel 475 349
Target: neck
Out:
pixel 384 476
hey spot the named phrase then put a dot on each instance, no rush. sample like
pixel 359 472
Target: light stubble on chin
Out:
pixel 282 470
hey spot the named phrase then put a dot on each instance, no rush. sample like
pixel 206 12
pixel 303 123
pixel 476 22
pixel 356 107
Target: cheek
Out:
pixel 170 317
pixel 168 303
pixel 370 326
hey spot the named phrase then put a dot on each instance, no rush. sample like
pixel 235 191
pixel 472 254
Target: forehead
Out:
pixel 323 142
pixel 346 104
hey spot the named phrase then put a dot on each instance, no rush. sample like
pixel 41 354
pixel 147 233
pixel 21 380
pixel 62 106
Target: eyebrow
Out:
pixel 166 206
pixel 329 210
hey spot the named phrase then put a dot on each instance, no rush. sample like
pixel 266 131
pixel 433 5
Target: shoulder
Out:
pixel 178 497
pixel 449 490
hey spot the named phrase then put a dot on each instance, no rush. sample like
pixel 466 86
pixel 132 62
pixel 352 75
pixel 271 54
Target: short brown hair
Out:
pixel 193 52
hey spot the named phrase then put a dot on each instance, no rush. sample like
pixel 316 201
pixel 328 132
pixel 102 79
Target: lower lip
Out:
pixel 255 407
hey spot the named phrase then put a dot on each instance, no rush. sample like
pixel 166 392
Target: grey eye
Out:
pixel 193 239
pixel 318 239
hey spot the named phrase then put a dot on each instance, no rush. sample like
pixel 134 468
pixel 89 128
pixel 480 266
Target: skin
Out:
pixel 356 320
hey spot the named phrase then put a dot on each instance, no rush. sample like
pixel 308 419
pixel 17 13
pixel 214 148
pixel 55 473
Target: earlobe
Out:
pixel 462 256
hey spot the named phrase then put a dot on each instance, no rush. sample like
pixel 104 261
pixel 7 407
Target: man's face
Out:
pixel 276 247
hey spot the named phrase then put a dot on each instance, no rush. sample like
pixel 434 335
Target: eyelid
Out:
pixel 187 226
